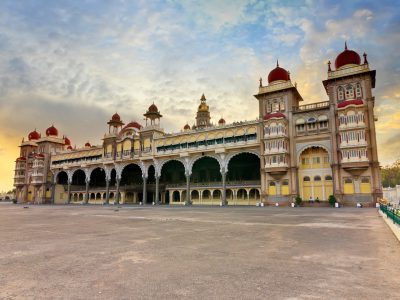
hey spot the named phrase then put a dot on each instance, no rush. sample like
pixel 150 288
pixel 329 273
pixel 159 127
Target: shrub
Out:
pixel 332 200
pixel 298 200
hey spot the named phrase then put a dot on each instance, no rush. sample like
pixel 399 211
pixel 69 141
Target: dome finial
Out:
pixel 203 98
pixel 345 45
pixel 329 66
pixel 277 63
pixel 365 58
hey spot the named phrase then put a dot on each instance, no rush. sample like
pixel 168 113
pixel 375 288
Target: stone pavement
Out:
pixel 91 252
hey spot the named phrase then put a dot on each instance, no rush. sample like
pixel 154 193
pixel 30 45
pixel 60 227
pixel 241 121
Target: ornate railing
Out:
pixel 312 106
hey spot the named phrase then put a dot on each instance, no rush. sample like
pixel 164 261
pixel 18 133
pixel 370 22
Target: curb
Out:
pixel 393 227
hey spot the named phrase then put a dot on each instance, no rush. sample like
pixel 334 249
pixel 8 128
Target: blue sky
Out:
pixel 74 63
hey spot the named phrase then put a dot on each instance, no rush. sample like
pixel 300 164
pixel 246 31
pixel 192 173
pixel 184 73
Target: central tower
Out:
pixel 203 114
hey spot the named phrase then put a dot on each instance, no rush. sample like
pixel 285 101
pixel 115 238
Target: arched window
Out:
pixel 306 178
pixel 358 91
pixel 328 177
pixel 285 182
pixel 340 93
pixel 349 92
pixel 348 180
pixel 364 179
pixel 271 183
pixel 317 178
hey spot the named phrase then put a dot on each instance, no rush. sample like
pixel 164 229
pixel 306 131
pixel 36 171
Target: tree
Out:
pixel 298 201
pixel 332 200
pixel 391 174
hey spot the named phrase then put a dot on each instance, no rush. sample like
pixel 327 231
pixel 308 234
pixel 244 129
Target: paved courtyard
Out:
pixel 90 252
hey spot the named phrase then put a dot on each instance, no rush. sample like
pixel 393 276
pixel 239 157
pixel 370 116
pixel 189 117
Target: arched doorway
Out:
pixel 172 176
pixel 60 193
pixel 98 178
pixel 244 167
pixel 131 182
pixel 315 174
pixel 176 196
pixel 205 170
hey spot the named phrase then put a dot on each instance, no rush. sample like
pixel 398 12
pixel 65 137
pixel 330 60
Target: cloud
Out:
pixel 75 63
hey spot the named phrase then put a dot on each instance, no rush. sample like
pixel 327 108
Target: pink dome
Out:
pixel 278 74
pixel 347 57
pixel 34 135
pixel 133 125
pixel 51 131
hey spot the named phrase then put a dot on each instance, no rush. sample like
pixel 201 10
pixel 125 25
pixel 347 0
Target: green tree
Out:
pixel 391 174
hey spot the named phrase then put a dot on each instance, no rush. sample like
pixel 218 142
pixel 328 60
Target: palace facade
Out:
pixel 312 151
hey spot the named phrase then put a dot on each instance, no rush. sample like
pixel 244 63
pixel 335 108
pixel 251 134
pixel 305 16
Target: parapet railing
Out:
pixel 391 212
pixel 312 106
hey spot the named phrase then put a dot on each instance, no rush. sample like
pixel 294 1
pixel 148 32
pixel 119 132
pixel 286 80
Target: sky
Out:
pixel 75 63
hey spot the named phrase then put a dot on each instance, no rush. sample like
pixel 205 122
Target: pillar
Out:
pixel 144 190
pixel 157 189
pixel 53 192
pixel 224 201
pixel 69 192
pixel 187 201
pixel 107 191
pixel 86 201
pixel 116 201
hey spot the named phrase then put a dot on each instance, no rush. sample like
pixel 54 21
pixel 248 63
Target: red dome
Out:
pixel 67 142
pixel 276 115
pixel 40 155
pixel 221 121
pixel 278 74
pixel 350 102
pixel 51 131
pixel 21 158
pixel 116 117
pixel 69 148
pixel 134 125
pixel 34 135
pixel 186 127
pixel 347 57
pixel 88 145
pixel 153 108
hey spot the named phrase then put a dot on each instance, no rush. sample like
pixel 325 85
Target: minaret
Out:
pixel 153 115
pixel 115 124
pixel 203 114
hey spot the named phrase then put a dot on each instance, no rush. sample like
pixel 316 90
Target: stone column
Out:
pixel 35 194
pixel 86 201
pixel 187 201
pixel 157 189
pixel 53 192
pixel 116 201
pixel 144 190
pixel 69 192
pixel 223 200
pixel 107 191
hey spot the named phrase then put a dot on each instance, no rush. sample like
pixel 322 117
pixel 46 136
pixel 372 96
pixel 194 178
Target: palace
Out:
pixel 312 151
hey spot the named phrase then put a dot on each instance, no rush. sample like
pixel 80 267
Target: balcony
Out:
pixel 276 170
pixel 353 144
pixel 348 71
pixel 275 87
pixel 312 106
pixel 351 126
pixel 216 184
pixel 275 151
pixel 204 145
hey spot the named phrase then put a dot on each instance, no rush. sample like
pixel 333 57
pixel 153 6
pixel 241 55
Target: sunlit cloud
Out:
pixel 76 63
